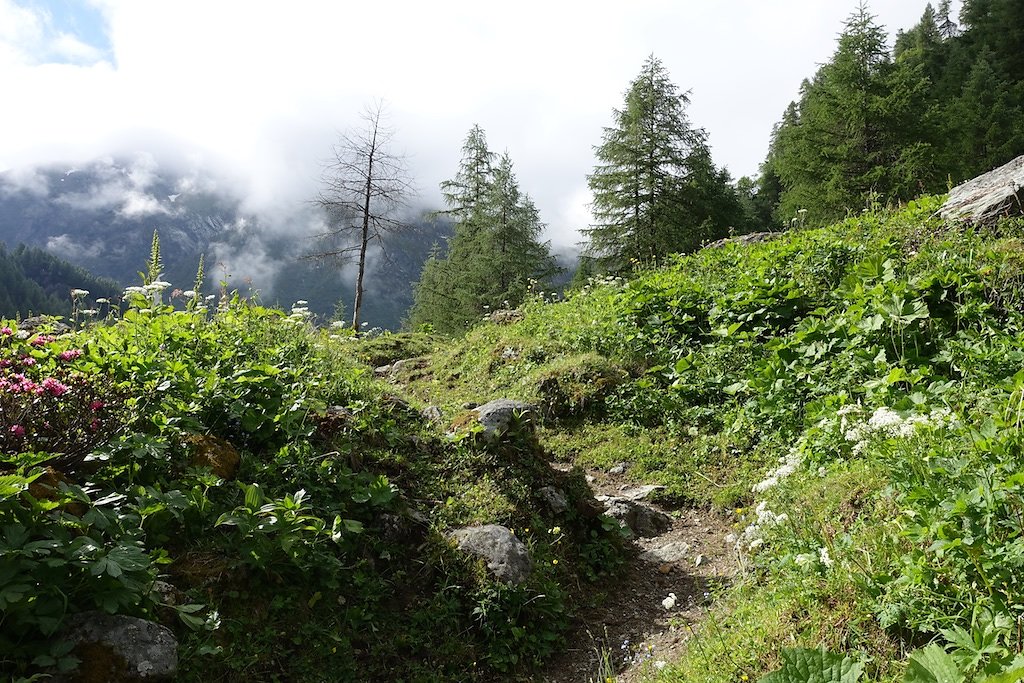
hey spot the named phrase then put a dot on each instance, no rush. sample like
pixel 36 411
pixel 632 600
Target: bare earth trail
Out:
pixel 628 622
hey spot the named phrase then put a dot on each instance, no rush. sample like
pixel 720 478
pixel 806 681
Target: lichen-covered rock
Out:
pixel 431 414
pixel 215 453
pixel 641 519
pixel 497 416
pixel 990 196
pixel 119 649
pixel 507 558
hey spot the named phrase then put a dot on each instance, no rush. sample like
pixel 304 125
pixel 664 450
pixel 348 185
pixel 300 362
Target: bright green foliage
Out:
pixel 656 190
pixel 496 255
pixel 815 666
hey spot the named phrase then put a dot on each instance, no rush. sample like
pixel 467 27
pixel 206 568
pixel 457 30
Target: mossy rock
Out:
pixel 576 385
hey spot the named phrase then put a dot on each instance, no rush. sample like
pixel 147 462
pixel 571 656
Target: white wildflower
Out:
pixel 190 294
pixel 103 300
pixel 824 557
pixel 301 302
pixel 134 290
pixel 79 293
pixel 669 602
pixel 90 311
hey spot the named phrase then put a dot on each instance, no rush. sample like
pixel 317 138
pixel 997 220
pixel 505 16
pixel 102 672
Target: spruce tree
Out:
pixel 496 249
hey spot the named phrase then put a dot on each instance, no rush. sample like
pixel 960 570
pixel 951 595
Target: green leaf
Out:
pixel 1014 676
pixel 801 665
pixel 932 664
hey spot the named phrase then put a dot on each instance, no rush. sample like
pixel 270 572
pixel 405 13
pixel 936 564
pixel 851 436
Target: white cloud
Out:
pixel 256 92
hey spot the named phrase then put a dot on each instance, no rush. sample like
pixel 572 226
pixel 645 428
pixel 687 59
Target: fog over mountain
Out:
pixel 101 216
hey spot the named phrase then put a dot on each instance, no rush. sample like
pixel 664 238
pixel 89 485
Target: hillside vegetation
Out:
pixel 851 395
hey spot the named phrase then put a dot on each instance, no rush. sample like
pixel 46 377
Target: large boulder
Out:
pixel 506 556
pixel 120 649
pixel 988 197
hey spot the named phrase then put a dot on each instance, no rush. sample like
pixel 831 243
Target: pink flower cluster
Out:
pixel 41 340
pixel 17 430
pixel 20 384
pixel 71 354
pixel 6 331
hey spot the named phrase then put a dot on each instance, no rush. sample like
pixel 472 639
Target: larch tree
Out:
pixel 653 172
pixel 364 185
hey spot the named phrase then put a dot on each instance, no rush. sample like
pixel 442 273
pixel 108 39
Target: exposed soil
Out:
pixel 627 624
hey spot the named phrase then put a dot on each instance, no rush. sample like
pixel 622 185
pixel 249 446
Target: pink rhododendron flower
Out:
pixel 96 406
pixel 70 354
pixel 6 331
pixel 53 387
pixel 41 340
pixel 28 361
pixel 5 363
pixel 17 430
pixel 94 425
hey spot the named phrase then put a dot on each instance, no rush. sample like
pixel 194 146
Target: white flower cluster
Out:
pixel 811 561
pixel 300 312
pixel 887 422
pixel 751 538
pixel 787 466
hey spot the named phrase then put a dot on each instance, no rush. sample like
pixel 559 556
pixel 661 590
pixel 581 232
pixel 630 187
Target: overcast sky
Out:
pixel 257 90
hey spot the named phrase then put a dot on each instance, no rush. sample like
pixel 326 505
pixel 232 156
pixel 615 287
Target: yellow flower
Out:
pixel 554 561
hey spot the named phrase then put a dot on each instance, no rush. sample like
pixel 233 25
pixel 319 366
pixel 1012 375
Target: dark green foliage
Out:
pixel 495 258
pixel 944 106
pixel 656 190
pixel 34 282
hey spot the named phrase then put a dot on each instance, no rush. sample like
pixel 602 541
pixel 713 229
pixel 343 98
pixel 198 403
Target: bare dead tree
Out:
pixel 364 186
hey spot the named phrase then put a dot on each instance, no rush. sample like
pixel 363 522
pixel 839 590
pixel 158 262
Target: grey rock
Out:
pixel 640 492
pixel 641 519
pixel 990 196
pixel 146 650
pixel 506 317
pixel 749 238
pixel 506 556
pixel 618 469
pixel 431 413
pixel 554 499
pixel 496 416
pixel 675 551
pixel 382 371
pixel 469 405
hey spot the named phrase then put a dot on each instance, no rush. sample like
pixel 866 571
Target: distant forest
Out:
pixel 33 281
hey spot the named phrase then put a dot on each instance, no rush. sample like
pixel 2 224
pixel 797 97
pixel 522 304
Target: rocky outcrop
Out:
pixel 989 197
pixel 507 558
pixel 749 238
pixel 119 649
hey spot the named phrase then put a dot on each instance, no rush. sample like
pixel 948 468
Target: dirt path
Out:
pixel 628 626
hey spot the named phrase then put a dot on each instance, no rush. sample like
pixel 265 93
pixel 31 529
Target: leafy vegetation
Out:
pixel 297 510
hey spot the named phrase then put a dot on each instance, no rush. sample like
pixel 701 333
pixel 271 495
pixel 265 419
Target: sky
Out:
pixel 255 92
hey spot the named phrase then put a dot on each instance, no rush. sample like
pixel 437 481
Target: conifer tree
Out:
pixel 654 184
pixel 496 249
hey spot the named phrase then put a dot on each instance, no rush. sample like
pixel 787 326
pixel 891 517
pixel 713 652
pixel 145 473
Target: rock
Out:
pixel 675 551
pixel 749 238
pixel 431 414
pixel 506 556
pixel 553 499
pixel 469 405
pixel 988 197
pixel 382 371
pixel 44 323
pixel 497 416
pixel 118 649
pixel 641 519
pixel 407 364
pixel 640 492
pixel 619 469
pixel 215 453
pixel 505 317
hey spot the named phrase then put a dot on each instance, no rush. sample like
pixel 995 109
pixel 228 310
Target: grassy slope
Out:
pixel 881 356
